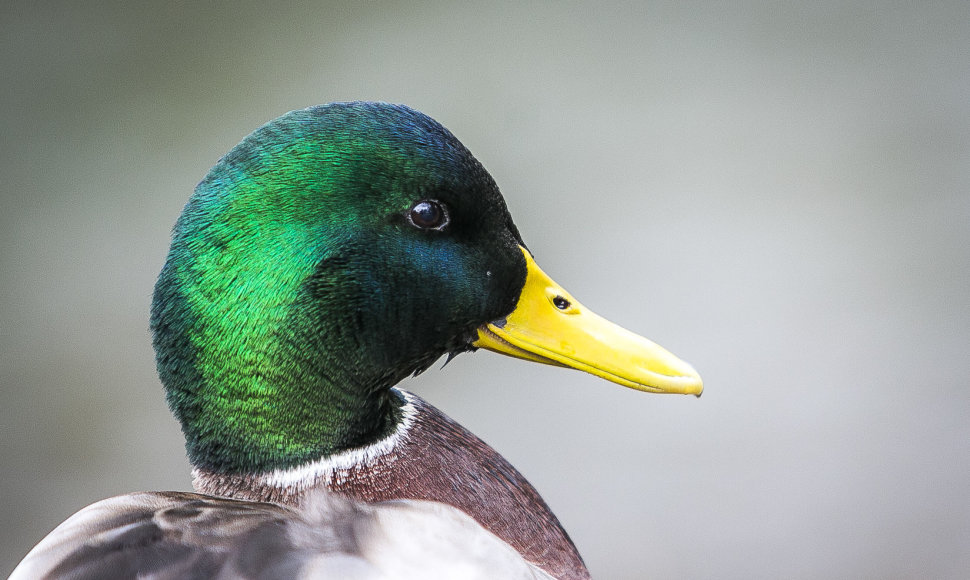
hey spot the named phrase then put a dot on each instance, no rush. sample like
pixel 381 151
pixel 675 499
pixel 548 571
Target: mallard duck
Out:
pixel 335 251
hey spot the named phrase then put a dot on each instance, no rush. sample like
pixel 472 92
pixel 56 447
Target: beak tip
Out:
pixel 692 383
pixel 700 386
pixel 700 389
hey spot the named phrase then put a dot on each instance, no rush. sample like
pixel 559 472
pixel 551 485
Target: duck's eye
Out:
pixel 428 214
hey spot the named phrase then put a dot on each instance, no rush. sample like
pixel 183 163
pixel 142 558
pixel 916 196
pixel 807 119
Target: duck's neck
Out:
pixel 258 421
pixel 271 372
pixel 290 484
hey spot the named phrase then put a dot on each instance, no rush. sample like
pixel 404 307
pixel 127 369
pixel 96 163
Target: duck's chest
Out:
pixel 429 458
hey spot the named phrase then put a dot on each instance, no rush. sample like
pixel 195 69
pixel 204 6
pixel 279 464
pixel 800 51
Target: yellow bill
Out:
pixel 550 326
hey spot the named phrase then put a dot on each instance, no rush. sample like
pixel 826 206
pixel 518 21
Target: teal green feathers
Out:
pixel 298 289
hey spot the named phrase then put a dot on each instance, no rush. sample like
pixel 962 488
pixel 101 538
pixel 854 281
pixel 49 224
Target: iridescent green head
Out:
pixel 333 252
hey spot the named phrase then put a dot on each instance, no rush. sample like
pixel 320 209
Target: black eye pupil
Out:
pixel 561 303
pixel 427 214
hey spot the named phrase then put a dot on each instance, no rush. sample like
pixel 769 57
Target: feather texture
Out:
pixel 174 535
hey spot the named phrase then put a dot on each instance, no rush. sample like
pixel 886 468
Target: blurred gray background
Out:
pixel 779 193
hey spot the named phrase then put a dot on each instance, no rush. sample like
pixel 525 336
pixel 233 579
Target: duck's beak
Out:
pixel 550 326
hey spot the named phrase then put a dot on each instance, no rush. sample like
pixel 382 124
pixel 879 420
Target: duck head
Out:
pixel 335 251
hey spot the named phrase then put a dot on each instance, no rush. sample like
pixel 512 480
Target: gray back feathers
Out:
pixel 174 535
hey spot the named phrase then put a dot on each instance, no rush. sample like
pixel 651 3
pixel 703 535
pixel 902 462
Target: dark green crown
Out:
pixel 306 277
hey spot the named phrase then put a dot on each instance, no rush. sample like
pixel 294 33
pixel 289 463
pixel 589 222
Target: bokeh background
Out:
pixel 777 192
